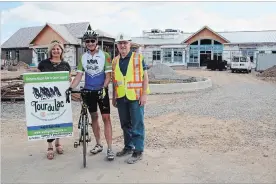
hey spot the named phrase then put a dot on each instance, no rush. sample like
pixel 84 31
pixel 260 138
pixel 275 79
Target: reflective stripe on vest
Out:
pixel 137 76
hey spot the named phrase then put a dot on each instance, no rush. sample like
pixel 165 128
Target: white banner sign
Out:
pixel 48 115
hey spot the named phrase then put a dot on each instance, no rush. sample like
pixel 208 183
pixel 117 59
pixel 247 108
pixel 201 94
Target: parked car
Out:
pixel 241 64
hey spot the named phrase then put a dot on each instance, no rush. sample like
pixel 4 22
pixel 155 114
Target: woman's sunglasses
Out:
pixel 88 41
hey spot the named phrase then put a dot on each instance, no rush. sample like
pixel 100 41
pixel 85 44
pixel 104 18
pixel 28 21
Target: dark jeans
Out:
pixel 132 122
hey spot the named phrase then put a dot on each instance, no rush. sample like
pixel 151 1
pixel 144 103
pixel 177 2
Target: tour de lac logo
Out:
pixel 46 105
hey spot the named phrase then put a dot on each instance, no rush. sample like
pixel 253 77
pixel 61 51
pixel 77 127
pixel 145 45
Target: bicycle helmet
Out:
pixel 89 35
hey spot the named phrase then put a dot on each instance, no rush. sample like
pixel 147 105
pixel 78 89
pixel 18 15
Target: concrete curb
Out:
pixel 203 83
pixel 180 87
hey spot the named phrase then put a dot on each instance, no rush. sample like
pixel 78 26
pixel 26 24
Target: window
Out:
pixel 177 56
pixel 193 54
pixel 194 43
pixel 205 42
pixel 41 54
pixel 273 51
pixel 217 43
pixel 235 59
pixel 167 56
pixel 262 52
pixel 156 55
pixel 17 55
pixel 242 59
pixel 8 55
pixel 147 57
pixel 217 56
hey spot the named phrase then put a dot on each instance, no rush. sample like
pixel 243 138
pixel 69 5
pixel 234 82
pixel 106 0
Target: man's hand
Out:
pixel 114 102
pixel 102 93
pixel 143 100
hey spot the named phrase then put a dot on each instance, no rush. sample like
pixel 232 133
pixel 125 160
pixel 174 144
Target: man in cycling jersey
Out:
pixel 96 64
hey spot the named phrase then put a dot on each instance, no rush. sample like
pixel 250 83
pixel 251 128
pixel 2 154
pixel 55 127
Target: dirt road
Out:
pixel 223 134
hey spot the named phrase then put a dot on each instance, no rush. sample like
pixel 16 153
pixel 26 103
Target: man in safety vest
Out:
pixel 130 89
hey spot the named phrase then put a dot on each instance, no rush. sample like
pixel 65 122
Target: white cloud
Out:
pixel 133 17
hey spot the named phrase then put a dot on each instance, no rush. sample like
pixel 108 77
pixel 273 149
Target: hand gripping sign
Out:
pixel 48 116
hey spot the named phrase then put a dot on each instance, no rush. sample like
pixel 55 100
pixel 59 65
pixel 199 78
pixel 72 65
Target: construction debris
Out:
pixel 12 65
pixel 270 72
pixel 14 91
pixel 11 79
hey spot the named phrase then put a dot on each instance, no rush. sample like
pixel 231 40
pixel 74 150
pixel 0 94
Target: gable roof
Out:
pixel 233 37
pixel 206 27
pixel 23 37
pixel 77 29
pixel 103 34
pixel 62 31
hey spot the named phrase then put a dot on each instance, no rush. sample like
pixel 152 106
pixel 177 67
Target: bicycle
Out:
pixel 84 136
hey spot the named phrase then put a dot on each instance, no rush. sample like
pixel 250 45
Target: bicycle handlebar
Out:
pixel 82 91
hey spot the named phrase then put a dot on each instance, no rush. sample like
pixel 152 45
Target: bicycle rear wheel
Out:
pixel 84 143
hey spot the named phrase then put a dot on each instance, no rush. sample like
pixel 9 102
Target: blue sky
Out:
pixel 8 5
pixel 133 17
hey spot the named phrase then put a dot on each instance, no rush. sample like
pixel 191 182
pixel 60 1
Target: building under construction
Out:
pixel 170 46
pixel 175 47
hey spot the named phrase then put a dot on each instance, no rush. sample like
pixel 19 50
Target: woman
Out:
pixel 54 63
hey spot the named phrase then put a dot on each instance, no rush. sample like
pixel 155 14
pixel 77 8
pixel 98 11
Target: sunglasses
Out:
pixel 88 41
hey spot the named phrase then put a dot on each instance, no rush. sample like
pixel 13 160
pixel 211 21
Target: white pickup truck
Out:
pixel 240 64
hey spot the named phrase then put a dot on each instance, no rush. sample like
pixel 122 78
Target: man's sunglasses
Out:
pixel 88 41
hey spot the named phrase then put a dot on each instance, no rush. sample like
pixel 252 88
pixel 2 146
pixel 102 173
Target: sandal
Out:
pixel 50 153
pixel 59 149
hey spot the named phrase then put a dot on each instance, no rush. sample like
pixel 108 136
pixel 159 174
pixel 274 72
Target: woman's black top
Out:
pixel 47 66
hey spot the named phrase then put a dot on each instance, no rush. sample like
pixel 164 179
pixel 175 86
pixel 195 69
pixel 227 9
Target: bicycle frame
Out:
pixel 83 123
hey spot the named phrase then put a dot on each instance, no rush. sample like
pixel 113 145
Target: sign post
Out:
pixel 48 116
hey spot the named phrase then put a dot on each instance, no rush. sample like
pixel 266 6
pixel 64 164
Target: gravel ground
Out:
pixel 236 117
pixel 250 103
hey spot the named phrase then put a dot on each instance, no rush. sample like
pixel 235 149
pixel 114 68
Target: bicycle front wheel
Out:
pixel 84 144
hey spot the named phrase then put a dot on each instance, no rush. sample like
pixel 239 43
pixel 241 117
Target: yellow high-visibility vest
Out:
pixel 130 85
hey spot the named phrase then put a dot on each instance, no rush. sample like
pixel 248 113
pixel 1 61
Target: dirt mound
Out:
pixel 270 72
pixel 160 70
pixel 163 74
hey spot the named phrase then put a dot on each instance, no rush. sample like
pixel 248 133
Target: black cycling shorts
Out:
pixel 92 101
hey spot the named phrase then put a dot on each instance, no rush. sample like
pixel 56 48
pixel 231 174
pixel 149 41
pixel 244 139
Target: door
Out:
pixel 204 57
